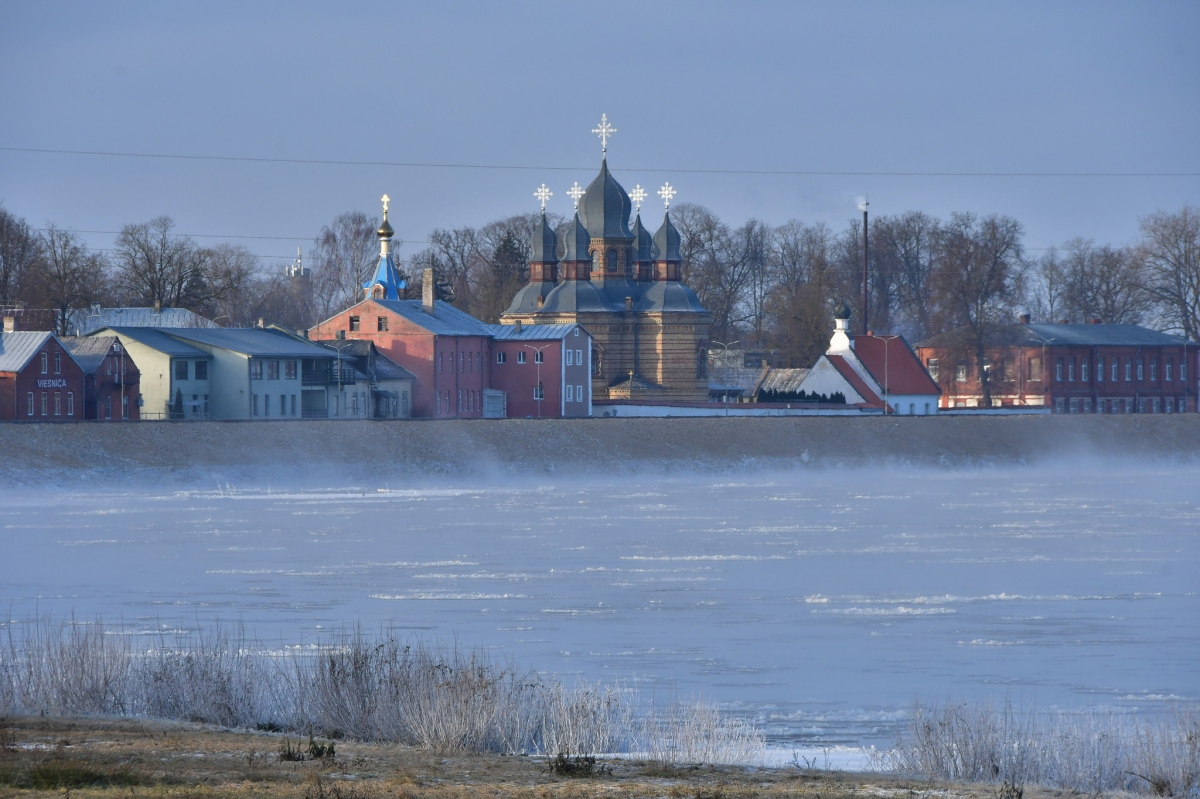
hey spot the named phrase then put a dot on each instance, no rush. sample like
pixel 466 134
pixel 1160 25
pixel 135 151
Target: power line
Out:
pixel 529 168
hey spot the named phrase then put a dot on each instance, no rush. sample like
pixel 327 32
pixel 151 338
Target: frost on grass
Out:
pixel 353 685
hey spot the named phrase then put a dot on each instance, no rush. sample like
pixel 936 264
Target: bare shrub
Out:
pixel 697 732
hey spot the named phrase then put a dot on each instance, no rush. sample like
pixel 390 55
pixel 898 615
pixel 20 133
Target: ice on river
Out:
pixel 820 602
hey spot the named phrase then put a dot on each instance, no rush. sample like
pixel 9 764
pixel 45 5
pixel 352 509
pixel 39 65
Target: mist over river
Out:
pixel 818 601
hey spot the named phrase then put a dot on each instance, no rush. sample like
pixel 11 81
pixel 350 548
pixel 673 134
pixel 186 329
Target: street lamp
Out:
pixel 339 366
pixel 538 360
pixel 724 356
pixel 1045 369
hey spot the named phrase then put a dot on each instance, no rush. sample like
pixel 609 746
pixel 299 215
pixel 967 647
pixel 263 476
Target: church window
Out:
pixel 381 324
pixel 354 323
pixel 611 265
pixel 501 357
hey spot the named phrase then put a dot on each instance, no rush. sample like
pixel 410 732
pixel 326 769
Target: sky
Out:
pixel 709 96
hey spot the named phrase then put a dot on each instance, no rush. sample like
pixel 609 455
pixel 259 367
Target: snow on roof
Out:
pixel 86 321
pixel 17 348
pixel 160 341
pixel 893 365
pixel 88 351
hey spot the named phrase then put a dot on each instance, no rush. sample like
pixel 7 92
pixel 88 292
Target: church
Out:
pixel 624 286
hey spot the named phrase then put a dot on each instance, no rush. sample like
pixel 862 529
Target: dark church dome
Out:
pixel 643 243
pixel 843 311
pixel 605 207
pixel 543 244
pixel 576 241
pixel 666 241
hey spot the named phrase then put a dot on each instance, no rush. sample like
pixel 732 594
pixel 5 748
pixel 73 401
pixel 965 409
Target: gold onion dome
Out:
pixel 385 230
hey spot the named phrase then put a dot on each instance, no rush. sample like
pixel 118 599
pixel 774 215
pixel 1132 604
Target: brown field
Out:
pixel 133 757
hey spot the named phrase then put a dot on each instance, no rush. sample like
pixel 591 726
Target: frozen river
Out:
pixel 819 601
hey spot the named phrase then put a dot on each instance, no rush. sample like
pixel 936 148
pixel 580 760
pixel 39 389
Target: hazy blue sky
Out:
pixel 844 87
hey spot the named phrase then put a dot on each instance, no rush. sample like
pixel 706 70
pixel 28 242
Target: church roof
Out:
pixel 576 296
pixel 643 242
pixel 670 296
pixel 666 241
pixel 526 298
pixel 577 241
pixel 543 243
pixel 605 207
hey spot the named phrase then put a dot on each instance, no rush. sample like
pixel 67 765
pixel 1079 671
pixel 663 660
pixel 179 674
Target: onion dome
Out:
pixel 605 207
pixel 843 311
pixel 666 241
pixel 543 244
pixel 577 241
pixel 385 230
pixel 643 244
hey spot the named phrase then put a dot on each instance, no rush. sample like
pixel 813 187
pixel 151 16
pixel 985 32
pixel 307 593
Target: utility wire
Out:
pixel 780 172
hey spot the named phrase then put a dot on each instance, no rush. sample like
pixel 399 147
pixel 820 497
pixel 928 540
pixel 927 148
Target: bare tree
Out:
pixel 18 255
pixel 902 251
pixel 1046 287
pixel 233 279
pixel 977 279
pixel 156 266
pixel 68 275
pixel 800 300
pixel 717 264
pixel 1103 283
pixel 1169 258
pixel 346 253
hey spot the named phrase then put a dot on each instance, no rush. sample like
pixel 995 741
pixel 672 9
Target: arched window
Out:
pixel 612 261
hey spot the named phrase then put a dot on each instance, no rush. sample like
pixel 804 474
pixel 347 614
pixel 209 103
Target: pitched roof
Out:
pixel 783 379
pixel 446 320
pixel 1069 335
pixel 88 351
pixel 17 348
pixel 361 351
pixel 893 365
pixel 530 332
pixel 252 341
pixel 387 369
pixel 86 321
pixel 160 341
pixel 856 382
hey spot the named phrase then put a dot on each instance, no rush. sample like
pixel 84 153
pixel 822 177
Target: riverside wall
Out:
pixel 396 451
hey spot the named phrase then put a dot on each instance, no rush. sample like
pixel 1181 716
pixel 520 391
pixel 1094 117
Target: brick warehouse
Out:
pixel 1071 368
pixel 39 380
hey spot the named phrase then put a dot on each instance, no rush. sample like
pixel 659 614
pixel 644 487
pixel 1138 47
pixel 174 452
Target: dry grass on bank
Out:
pixel 46 756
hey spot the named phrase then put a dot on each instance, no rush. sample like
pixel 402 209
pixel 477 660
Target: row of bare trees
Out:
pixel 767 287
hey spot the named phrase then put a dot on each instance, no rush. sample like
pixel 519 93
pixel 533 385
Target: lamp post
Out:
pixel 537 359
pixel 1045 369
pixel 339 367
pixel 724 355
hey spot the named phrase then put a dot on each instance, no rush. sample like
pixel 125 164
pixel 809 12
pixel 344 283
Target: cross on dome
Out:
pixel 544 194
pixel 637 195
pixel 604 131
pixel 386 199
pixel 666 192
pixel 575 192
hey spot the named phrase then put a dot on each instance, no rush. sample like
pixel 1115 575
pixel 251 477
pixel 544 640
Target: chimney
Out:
pixel 1025 318
pixel 262 323
pixel 157 305
pixel 428 291
pixel 1095 321
pixel 10 324
pixel 629 305
pixel 517 325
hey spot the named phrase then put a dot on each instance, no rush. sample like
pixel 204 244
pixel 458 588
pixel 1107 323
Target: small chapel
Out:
pixel 624 286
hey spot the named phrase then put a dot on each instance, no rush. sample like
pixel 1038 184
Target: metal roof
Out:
pixel 446 320
pixel 893 365
pixel 783 379
pixel 157 340
pixel 86 321
pixel 531 332
pixel 666 241
pixel 252 341
pixel 88 351
pixel 17 348
pixel 605 207
pixel 1101 334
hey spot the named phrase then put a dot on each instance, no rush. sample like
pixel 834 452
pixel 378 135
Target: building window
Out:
pixel 501 357
pixel 578 356
pixel 479 362
pixel 289 370
pixel 44 367
pixel 1083 370
pixel 1153 369
pixel 181 370
pixel 272 370
pixel 579 393
pixel 539 392
pixel 31 403
pixel 1128 369
pixel 58 403
pixel 1115 363
pixel 256 370
pixel 1035 370
pixel 1141 363
pixel 440 364
pixel 960 373
pixel 1058 405
pixel 381 324
pixel 195 405
pixel 1167 369
pixel 1058 370
pixel 201 370
pixel 537 357
pixel 404 403
pixel 44 403
pixel 1087 404
pixel 107 408
pixel 576 333
pixel 254 403
pixel 353 324
pixel 461 363
pixel 124 407
pixel 520 357
pixel 1100 370
pixel 460 406
pixel 1182 370
pixel 70 403
pixel 108 366
pixel 58 363
pixel 570 358
pixel 570 393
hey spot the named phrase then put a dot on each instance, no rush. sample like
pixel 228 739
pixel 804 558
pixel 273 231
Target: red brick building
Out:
pixel 1071 368
pixel 39 380
pixel 544 370
pixel 111 380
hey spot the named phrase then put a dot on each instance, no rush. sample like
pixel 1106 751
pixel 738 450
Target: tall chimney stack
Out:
pixel 428 291
pixel 866 285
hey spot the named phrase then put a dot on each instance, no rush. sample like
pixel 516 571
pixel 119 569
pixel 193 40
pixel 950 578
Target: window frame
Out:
pixel 501 357
pixel 354 324
pixel 200 366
